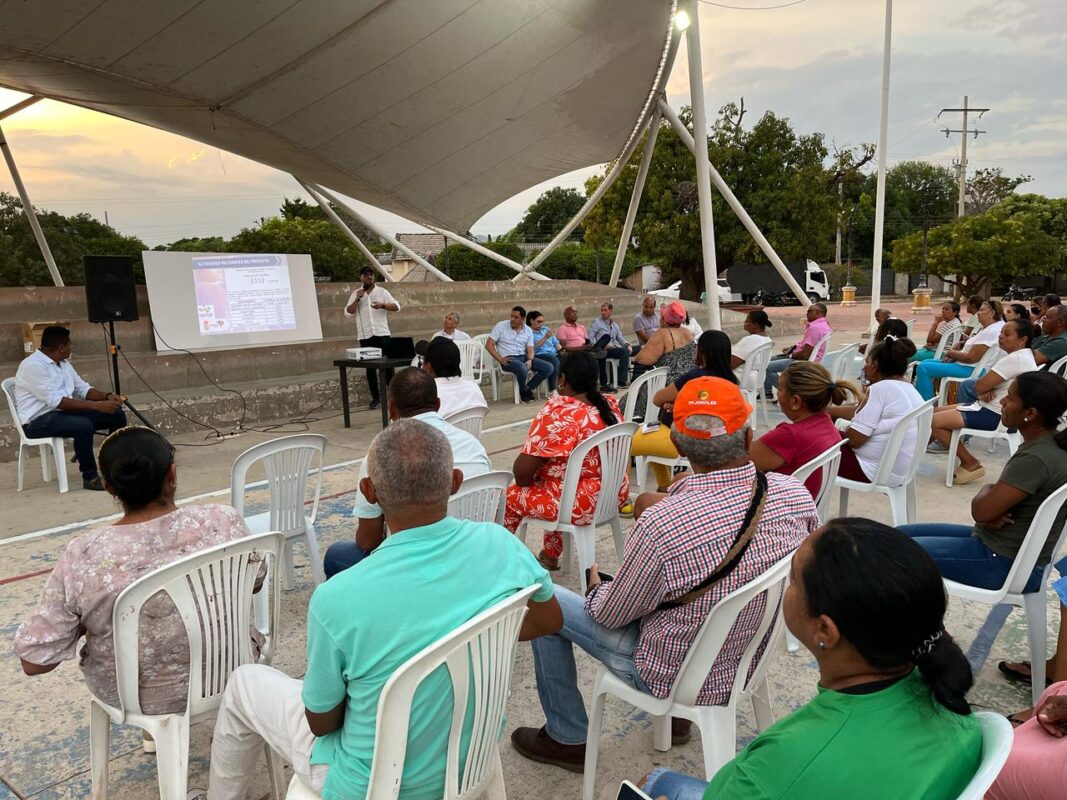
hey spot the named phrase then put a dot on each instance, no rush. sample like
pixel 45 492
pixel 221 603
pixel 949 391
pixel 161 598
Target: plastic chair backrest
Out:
pixel 470 356
pixel 910 325
pixel 821 346
pixel 842 360
pixel 828 462
pixel 716 628
pixel 921 417
pixel 653 381
pixel 1060 367
pixel 469 420
pixel 613 447
pixel 481 498
pixel 8 385
pixel 947 342
pixel 212 591
pixel 997 738
pixel 987 360
pixel 480 656
pixel 1036 536
pixel 755 367
pixel 482 364
pixel 287 462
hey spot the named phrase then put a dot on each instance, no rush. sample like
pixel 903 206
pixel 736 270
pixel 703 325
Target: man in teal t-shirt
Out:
pixel 430 576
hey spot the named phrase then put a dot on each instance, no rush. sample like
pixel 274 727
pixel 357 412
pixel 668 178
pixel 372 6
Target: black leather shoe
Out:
pixel 93 484
pixel 375 404
pixel 536 745
pixel 681 730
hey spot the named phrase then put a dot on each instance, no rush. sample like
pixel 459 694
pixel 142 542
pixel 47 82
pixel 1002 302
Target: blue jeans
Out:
pixel 79 426
pixel 516 365
pixel 963 558
pixel 340 556
pixel 673 785
pixel 557 676
pixel 775 367
pixel 623 355
pixel 553 377
pixel 966 394
pixel 928 371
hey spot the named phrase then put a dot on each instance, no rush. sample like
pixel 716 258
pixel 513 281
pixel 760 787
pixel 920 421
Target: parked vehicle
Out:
pixel 1016 292
pixel 726 295
pixel 763 280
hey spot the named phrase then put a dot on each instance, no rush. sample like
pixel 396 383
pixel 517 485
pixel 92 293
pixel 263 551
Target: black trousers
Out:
pixel 79 426
pixel 372 374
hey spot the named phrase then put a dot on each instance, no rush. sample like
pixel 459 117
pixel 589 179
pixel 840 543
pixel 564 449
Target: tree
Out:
pixel 989 186
pixel 976 250
pixel 777 175
pixel 1051 216
pixel 466 265
pixel 297 208
pixel 549 213
pixel 579 262
pixel 332 254
pixel 196 244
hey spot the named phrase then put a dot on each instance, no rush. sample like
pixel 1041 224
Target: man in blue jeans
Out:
pixel 51 399
pixel 511 344
pixel 617 347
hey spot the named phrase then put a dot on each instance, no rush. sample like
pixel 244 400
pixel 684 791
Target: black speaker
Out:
pixel 110 292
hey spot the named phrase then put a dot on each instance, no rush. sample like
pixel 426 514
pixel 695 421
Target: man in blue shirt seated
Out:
pixel 616 348
pixel 432 574
pixel 412 395
pixel 511 344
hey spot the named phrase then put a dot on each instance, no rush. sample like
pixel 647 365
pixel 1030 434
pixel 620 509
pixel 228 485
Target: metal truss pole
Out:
pixel 340 223
pixel 478 247
pixel 635 198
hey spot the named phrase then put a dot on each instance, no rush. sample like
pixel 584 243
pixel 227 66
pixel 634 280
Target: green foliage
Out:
pixel 196 244
pixel 988 186
pixel 548 214
pixel 579 262
pixel 1050 213
pixel 69 238
pixel 332 254
pixel 463 264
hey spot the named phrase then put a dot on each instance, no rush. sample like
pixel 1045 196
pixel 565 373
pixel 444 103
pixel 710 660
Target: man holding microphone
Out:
pixel 370 304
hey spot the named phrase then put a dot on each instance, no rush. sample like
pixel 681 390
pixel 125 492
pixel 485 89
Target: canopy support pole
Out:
pixel 879 203
pixel 347 231
pixel 635 198
pixel 481 249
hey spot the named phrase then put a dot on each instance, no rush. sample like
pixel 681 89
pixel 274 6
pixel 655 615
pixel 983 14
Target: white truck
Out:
pixel 760 284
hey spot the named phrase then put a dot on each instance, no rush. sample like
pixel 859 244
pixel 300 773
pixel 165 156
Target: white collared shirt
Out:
pixel 371 321
pixel 456 336
pixel 41 383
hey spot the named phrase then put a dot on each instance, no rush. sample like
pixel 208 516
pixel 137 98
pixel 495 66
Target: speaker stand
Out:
pixel 113 347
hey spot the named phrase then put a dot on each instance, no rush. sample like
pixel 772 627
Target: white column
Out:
pixel 738 209
pixel 27 205
pixel 700 153
pixel 635 198
pixel 378 229
pixel 340 223
pixel 879 203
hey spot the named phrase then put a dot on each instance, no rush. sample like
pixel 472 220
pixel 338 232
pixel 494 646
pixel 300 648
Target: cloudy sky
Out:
pixel 817 62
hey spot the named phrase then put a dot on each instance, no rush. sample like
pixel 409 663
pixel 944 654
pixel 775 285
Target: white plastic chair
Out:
pixel 824 342
pixel 1013 438
pixel 481 498
pixel 987 360
pixel 901 497
pixel 910 324
pixel 717 724
pixel 1059 368
pixel 470 354
pixel 997 738
pixel 755 372
pixel 53 442
pixel 653 381
pixel 643 468
pixel 212 592
pixel 613 447
pixel 840 361
pixel 469 420
pixel 946 342
pixel 287 462
pixel 1032 603
pixel 483 362
pixel 479 656
pixel 828 462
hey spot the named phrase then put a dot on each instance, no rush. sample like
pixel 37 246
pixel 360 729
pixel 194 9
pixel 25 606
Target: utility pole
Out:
pixel 840 212
pixel 967 109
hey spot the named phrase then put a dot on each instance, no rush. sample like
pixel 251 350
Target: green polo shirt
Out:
pixel 1053 348
pixel 895 743
pixel 365 622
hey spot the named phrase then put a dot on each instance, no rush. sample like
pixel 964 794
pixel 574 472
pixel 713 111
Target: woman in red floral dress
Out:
pixel 573 415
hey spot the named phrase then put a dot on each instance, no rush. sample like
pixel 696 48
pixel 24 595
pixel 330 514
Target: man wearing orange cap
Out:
pixel 641 623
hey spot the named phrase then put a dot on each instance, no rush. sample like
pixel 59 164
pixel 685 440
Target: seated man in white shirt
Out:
pixel 412 394
pixel 451 329
pixel 441 359
pixel 53 400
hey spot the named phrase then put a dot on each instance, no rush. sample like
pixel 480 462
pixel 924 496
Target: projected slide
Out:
pixel 243 294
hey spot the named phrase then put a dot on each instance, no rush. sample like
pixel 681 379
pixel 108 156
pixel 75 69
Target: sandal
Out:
pixel 1017 675
pixel 1019 717
pixel 548 562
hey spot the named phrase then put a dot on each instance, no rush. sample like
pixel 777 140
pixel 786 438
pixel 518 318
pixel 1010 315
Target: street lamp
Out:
pixel 848 291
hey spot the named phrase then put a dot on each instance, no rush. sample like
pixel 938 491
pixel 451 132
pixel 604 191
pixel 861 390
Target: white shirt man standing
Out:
pixel 370 304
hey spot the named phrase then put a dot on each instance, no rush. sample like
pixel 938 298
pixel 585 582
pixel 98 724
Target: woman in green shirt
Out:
pixel 891 718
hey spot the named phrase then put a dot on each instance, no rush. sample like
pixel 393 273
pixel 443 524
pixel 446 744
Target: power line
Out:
pixel 963 144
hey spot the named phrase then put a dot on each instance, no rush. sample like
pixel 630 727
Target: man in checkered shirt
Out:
pixel 677 543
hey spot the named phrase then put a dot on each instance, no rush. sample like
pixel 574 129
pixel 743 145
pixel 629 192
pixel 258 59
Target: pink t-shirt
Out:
pixel 1036 768
pixel 813 332
pixel 571 335
pixel 799 442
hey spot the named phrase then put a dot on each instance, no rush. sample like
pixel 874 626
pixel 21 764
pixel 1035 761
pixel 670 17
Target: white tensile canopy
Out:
pixel 437 110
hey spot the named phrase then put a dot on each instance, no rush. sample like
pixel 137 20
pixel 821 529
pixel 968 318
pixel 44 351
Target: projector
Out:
pixel 364 353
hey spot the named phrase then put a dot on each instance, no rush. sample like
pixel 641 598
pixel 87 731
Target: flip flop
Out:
pixel 963 476
pixel 1015 719
pixel 549 563
pixel 1019 676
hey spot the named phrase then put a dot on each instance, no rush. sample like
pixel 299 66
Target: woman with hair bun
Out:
pixel 805 391
pixel 888 399
pixel 891 718
pixel 756 324
pixel 138 470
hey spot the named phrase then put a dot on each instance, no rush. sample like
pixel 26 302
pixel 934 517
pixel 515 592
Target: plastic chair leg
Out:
pixel 950 468
pixel 47 454
pixel 317 574
pixel 898 505
pixel 22 465
pixel 288 572
pixel 1036 613
pixel 585 544
pixel 495 789
pixel 275 774
pixel 172 757
pixel 761 706
pixel 842 508
pixel 592 743
pixel 99 749
pixel 620 538
pixel 661 732
pixel 791 643
pixel 912 502
pixel 718 736
pixel 61 466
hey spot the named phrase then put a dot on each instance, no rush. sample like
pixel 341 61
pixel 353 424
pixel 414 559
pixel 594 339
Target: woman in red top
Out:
pixel 805 391
pixel 577 412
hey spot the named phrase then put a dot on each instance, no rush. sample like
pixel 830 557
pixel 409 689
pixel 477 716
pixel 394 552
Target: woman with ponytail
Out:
pixel 891 719
pixel 566 420
pixel 805 391
pixel 138 470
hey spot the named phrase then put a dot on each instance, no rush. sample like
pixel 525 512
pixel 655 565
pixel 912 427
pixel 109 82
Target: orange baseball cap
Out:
pixel 713 397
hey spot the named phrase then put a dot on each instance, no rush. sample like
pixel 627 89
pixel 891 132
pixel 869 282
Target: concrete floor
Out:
pixel 43 721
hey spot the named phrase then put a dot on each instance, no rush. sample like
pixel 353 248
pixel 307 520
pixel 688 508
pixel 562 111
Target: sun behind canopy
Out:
pixel 437 110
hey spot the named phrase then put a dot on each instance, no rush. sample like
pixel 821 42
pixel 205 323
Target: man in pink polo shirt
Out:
pixel 815 329
pixel 571 335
